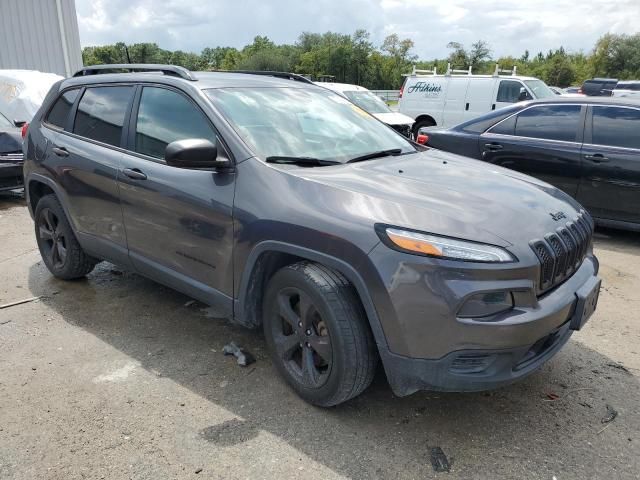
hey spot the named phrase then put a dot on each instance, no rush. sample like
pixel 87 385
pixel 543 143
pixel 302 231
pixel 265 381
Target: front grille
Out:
pixel 561 252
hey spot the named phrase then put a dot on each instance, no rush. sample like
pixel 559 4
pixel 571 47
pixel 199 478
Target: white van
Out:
pixel 458 95
pixel 370 102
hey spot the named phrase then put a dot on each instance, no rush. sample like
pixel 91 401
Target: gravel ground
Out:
pixel 118 377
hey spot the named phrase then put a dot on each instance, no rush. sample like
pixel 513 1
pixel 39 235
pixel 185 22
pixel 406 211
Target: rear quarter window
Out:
pixel 59 113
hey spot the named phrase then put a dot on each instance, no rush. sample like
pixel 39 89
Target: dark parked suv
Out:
pixel 288 207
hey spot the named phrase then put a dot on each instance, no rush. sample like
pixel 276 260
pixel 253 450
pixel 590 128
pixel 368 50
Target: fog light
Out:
pixel 486 304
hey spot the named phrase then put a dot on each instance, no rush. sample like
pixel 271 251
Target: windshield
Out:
pixel 4 122
pixel 301 122
pixel 367 101
pixel 539 89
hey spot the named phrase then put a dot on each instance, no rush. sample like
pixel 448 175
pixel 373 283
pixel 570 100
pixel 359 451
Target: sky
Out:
pixel 510 26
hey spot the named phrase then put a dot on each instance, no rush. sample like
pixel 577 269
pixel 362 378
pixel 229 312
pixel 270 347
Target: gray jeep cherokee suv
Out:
pixel 285 206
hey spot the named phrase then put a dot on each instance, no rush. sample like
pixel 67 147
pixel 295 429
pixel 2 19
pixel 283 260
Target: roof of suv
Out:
pixel 203 80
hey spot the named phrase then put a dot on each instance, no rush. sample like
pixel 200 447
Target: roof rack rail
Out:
pixel 452 71
pixel 270 73
pixel 171 70
pixel 415 71
pixel 498 71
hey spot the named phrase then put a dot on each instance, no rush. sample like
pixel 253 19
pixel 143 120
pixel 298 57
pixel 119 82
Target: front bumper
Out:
pixel 430 348
pixel 11 176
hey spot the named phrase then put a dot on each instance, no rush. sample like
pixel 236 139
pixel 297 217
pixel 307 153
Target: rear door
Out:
pixel 543 141
pixel 179 221
pixel 86 156
pixel 611 153
pixel 454 106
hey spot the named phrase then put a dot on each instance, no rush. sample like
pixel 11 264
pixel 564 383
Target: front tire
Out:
pixel 318 334
pixel 59 248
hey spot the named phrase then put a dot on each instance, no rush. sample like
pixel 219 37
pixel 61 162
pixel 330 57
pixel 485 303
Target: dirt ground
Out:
pixel 118 377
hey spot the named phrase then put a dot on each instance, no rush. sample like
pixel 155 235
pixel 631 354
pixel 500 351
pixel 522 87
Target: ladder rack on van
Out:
pixel 451 71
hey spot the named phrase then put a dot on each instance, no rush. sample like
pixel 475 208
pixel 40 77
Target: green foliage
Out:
pixel 355 59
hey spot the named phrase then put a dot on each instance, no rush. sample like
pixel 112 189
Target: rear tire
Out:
pixel 421 124
pixel 59 248
pixel 318 334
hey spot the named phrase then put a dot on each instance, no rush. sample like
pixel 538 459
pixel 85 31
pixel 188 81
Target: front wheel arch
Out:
pixel 268 257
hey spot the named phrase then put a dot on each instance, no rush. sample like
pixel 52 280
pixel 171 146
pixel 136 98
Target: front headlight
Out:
pixel 442 247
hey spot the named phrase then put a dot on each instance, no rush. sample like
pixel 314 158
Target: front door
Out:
pixel 178 221
pixel 508 93
pixel 610 188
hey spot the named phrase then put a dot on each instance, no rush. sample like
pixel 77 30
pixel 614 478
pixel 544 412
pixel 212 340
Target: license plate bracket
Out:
pixel 587 301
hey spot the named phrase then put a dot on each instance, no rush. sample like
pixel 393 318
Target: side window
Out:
pixel 101 112
pixel 509 91
pixel 59 113
pixel 550 122
pixel 506 127
pixel 165 116
pixel 616 127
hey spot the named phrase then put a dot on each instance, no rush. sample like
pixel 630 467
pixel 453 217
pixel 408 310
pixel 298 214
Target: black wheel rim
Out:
pixel 301 338
pixel 52 239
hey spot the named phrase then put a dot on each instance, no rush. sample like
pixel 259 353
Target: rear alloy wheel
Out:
pixel 61 252
pixel 318 334
pixel 53 238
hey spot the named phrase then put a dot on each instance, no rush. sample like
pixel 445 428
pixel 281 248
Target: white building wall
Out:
pixel 40 35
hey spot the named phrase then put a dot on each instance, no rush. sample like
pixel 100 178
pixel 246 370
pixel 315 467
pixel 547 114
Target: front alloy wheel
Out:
pixel 318 334
pixel 301 338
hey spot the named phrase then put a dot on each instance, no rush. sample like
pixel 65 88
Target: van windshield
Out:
pixel 367 101
pixel 304 122
pixel 539 89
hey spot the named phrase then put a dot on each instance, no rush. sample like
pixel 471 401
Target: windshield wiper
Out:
pixel 300 160
pixel 378 154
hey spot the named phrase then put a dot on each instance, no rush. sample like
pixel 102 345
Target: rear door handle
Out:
pixel 60 151
pixel 493 146
pixel 134 174
pixel 597 158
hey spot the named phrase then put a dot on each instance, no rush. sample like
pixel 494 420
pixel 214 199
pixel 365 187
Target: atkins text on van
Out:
pixel 425 87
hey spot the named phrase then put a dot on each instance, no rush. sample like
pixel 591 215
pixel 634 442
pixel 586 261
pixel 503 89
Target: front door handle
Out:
pixel 60 151
pixel 134 174
pixel 493 146
pixel 597 158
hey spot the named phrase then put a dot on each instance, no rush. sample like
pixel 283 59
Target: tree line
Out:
pixel 355 59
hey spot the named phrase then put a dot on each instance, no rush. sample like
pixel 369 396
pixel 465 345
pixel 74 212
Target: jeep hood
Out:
pixel 447 194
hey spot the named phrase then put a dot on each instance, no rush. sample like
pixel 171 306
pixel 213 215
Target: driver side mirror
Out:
pixel 19 123
pixel 195 153
pixel 524 95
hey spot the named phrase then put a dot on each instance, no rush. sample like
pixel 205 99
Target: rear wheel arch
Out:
pixel 423 121
pixel 36 190
pixel 270 256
